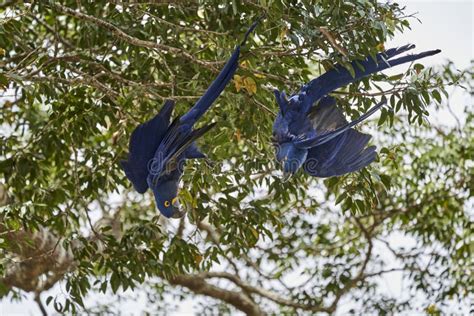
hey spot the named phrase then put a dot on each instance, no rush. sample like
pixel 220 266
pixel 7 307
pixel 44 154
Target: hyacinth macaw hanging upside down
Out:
pixel 158 149
pixel 315 135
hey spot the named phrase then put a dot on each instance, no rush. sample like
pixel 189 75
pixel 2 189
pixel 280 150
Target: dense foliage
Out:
pixel 77 77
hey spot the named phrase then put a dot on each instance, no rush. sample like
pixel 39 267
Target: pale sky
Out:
pixel 447 25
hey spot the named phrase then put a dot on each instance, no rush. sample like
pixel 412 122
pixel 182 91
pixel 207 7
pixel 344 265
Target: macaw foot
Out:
pixel 286 176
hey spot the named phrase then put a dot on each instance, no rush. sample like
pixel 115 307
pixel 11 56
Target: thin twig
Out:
pixel 333 41
pixel 133 40
pixel 40 304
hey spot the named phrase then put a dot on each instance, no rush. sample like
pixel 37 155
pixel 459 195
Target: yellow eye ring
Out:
pixel 167 203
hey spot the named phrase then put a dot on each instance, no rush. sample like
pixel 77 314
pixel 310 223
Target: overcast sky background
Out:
pixel 447 25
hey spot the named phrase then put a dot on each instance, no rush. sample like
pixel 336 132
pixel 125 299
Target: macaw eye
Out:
pixel 167 203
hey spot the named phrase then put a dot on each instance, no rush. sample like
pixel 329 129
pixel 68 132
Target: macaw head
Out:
pixel 291 158
pixel 166 199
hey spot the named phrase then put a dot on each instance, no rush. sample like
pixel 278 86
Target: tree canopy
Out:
pixel 77 77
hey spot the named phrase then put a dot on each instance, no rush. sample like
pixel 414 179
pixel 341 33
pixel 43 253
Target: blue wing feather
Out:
pixel 341 155
pixel 326 116
pixel 326 135
pixel 144 141
pixel 331 146
pixel 179 146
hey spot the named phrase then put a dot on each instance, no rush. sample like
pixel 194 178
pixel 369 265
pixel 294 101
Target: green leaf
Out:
pixel 48 300
pixel 436 95
pixel 3 81
pixel 395 77
pixel 418 67
pixel 340 198
pixel 115 282
pixel 383 117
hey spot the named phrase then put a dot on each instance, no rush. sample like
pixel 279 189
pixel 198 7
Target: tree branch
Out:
pixel 198 285
pixel 39 260
pixel 333 41
pixel 39 253
pixel 117 32
pixel 40 304
pixel 361 273
pixel 265 293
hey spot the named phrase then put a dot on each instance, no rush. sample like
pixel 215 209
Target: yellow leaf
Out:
pixel 197 258
pixel 259 76
pixel 2 52
pixel 244 64
pixel 238 135
pixel 432 310
pixel 185 195
pixel 254 232
pixel 283 33
pixel 238 82
pixel 380 47
pixel 250 85
pixel 390 22
pixel 327 65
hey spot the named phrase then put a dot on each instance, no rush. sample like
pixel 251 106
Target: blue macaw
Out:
pixel 158 149
pixel 310 131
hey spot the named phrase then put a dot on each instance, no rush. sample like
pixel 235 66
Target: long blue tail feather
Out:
pixel 218 85
pixel 144 140
pixel 340 76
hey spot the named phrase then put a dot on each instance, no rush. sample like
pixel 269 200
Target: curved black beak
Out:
pixel 177 212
